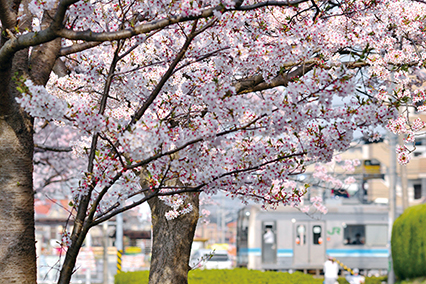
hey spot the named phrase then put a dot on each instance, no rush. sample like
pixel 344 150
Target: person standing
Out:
pixel 331 271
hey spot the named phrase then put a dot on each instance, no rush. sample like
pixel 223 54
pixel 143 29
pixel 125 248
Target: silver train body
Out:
pixel 287 239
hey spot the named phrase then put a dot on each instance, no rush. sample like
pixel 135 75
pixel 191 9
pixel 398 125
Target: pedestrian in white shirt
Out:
pixel 331 271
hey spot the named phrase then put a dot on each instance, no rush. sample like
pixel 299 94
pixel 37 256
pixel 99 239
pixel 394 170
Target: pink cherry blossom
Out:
pixel 403 158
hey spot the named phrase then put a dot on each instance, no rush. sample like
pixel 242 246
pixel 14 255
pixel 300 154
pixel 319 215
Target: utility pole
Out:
pixel 392 200
pixel 223 225
pixel 222 219
pixel 403 178
pixel 404 187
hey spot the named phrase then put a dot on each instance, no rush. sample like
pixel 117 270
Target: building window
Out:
pixel 417 191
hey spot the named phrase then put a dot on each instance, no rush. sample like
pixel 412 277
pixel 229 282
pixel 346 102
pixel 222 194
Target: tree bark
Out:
pixel 17 238
pixel 171 242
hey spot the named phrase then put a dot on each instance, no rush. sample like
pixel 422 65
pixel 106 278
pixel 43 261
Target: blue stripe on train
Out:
pixel 250 251
pixel 358 252
pixel 331 252
pixel 285 253
pixel 258 252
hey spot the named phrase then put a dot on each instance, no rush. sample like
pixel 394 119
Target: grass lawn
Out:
pixel 238 275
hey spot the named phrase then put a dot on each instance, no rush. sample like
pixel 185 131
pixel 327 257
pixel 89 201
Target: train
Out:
pixel 286 239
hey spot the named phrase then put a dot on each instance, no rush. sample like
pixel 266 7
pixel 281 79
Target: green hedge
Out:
pixel 237 275
pixel 409 243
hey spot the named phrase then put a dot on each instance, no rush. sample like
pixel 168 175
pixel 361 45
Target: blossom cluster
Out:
pixel 173 214
pixel 317 203
pixel 40 103
pixel 403 154
pixel 66 239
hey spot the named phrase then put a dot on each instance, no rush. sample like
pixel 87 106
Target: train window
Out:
pixel 376 235
pixel 269 236
pixel 354 235
pixel 301 235
pixel 316 231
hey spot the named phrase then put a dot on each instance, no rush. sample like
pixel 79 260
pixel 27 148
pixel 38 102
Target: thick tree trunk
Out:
pixel 17 240
pixel 171 242
pixel 17 237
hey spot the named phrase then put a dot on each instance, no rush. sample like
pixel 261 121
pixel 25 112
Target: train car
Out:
pixel 287 239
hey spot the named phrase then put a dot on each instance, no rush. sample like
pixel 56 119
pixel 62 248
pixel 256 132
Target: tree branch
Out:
pixel 43 148
pixel 257 83
pixel 35 38
pixel 78 47
pixel 139 202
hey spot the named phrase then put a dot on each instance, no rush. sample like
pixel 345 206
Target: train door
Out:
pixel 269 242
pixel 308 244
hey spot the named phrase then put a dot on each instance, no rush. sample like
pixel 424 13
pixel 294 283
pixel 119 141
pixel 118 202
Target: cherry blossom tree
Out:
pixel 165 99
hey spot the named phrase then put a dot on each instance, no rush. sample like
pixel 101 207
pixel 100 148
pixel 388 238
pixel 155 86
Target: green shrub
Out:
pixel 409 243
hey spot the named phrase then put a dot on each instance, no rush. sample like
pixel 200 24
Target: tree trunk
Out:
pixel 17 238
pixel 171 242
